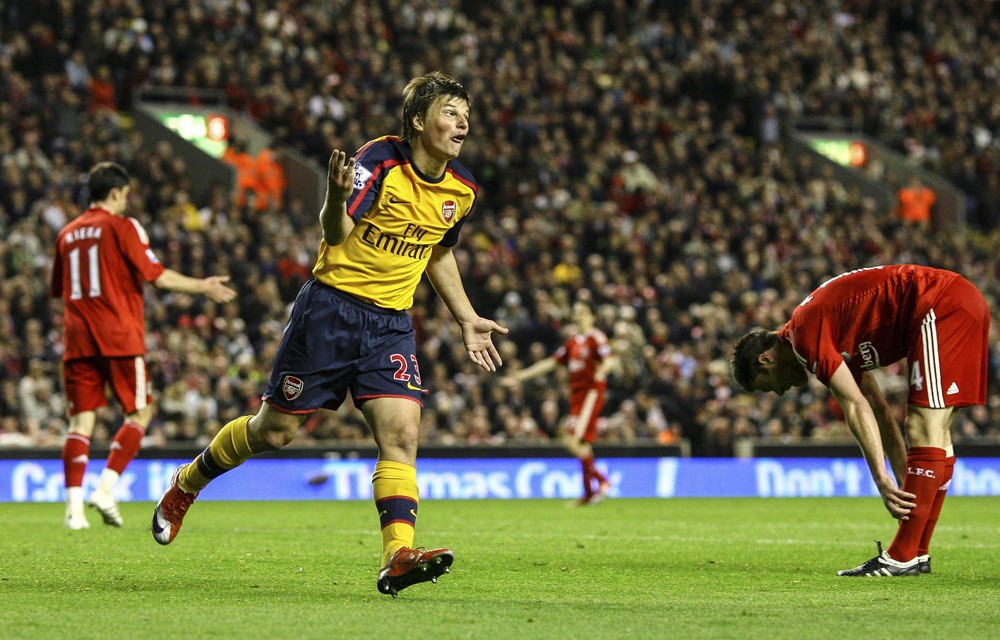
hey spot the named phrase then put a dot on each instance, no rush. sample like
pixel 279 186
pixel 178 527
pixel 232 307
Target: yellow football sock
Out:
pixel 396 498
pixel 228 450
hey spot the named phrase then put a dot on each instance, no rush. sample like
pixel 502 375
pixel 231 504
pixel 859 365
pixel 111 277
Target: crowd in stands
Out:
pixel 628 152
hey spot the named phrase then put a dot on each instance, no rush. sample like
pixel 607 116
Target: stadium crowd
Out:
pixel 628 152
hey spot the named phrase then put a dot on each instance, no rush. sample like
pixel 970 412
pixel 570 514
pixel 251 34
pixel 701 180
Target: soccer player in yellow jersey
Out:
pixel 392 213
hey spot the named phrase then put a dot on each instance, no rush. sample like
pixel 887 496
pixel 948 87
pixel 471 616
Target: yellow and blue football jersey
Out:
pixel 400 215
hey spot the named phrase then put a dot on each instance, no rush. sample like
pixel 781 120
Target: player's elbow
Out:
pixel 164 280
pixel 332 239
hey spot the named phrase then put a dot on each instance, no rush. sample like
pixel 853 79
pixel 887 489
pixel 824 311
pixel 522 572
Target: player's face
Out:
pixel 780 371
pixel 445 127
pixel 118 199
pixel 582 316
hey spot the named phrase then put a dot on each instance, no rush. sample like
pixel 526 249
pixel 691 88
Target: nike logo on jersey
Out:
pixel 411 387
pixel 395 200
pixel 952 390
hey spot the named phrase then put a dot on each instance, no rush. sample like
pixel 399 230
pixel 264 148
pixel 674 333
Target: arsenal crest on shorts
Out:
pixel 448 210
pixel 292 387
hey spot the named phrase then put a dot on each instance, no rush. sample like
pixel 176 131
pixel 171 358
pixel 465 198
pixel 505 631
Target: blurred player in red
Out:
pixel 101 263
pixel 863 320
pixel 587 356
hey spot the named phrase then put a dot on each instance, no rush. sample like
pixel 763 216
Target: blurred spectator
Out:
pixel 200 403
pixel 513 314
pixel 271 181
pixel 184 212
pixel 102 90
pixel 236 154
pixel 30 154
pixel 39 404
pixel 914 202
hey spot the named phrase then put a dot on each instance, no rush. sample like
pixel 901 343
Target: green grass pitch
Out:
pixel 682 568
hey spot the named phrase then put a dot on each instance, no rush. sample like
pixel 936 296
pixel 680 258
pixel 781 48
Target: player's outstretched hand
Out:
pixel 898 502
pixel 340 176
pixel 217 291
pixel 478 343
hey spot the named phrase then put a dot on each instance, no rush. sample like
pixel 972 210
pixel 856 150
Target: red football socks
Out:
pixel 925 471
pixel 75 455
pixel 590 475
pixel 925 539
pixel 600 477
pixel 124 446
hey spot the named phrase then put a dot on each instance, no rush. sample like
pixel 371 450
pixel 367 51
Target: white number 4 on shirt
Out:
pixel 916 380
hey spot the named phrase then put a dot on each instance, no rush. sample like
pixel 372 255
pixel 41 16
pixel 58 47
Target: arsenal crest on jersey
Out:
pixel 292 387
pixel 448 210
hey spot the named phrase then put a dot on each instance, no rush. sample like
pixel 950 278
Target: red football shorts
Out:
pixel 948 352
pixel 584 409
pixel 86 380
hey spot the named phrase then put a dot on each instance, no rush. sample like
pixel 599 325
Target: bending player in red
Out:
pixel 587 355
pixel 101 263
pixel 860 321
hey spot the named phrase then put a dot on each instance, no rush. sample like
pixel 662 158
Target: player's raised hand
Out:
pixel 340 176
pixel 476 334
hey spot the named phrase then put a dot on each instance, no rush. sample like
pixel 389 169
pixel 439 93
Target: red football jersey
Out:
pixel 581 354
pixel 868 317
pixel 101 263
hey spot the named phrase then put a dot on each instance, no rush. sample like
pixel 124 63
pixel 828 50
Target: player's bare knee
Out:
pixel 272 433
pixel 398 441
pixel 278 437
pixel 142 417
pixel 405 437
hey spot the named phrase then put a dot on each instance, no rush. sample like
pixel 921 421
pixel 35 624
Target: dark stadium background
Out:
pixel 647 155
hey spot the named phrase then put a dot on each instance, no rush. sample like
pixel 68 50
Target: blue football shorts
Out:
pixel 335 343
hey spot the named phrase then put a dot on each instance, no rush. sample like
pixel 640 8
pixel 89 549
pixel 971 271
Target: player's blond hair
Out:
pixel 421 92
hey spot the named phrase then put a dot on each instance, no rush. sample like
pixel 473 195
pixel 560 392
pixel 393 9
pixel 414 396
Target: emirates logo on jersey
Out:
pixel 448 210
pixel 292 387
